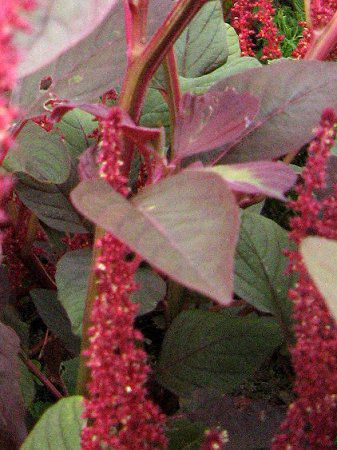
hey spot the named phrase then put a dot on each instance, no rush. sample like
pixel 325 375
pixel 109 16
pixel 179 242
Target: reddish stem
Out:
pixel 37 372
pixel 144 66
pixel 137 79
pixel 135 27
pixel 323 42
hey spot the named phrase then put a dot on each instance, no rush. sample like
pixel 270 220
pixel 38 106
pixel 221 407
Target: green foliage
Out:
pixel 260 266
pixel 287 20
pixel 55 317
pixel 215 350
pixel 72 274
pixel 58 428
pixel 184 434
pixel 39 154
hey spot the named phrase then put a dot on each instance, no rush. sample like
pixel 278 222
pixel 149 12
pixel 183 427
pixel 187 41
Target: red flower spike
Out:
pixel 10 22
pixel 311 421
pixel 321 12
pixel 119 412
pixel 245 14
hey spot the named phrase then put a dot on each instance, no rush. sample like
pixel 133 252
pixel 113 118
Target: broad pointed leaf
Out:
pixel 84 72
pixel 12 413
pixel 41 155
pixel 207 121
pixel 186 226
pixel 55 318
pixel 260 266
pixel 59 427
pixel 320 257
pixel 288 111
pixel 216 350
pixel 270 178
pixel 51 204
pixel 72 273
pixel 27 385
pixel 58 25
pixel 151 290
pixel 91 67
pixel 202 47
pixel 75 127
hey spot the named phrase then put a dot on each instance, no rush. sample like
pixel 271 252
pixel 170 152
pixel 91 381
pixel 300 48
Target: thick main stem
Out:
pixel 137 79
pixel 323 45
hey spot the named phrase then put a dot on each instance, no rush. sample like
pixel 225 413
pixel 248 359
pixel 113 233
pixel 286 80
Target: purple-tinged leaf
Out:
pixel 12 413
pixel 82 73
pixel 87 166
pixel 186 226
pixel 293 95
pixel 138 134
pixel 57 26
pixel 264 177
pixel 208 121
pixel 320 258
pixel 90 68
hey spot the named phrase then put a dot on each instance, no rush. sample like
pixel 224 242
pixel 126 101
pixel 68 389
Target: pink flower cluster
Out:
pixel 120 414
pixel 10 22
pixel 321 12
pixel 253 20
pixel 311 421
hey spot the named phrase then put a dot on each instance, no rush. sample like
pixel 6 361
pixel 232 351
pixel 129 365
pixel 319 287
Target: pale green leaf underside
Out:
pixel 59 428
pixel 320 257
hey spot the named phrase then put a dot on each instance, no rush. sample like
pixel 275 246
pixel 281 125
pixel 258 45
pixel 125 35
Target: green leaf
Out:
pixel 9 316
pixel 27 385
pixel 320 257
pixel 51 204
pixel 234 50
pixel 215 350
pixel 72 272
pixel 39 154
pixel 166 224
pixel 59 428
pixel 155 111
pixel 260 266
pixel 203 84
pixel 184 434
pixel 55 317
pixel 152 289
pixel 75 126
pixel 202 47
pixel 69 374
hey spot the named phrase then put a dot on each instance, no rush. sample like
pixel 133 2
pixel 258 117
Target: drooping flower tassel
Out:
pixel 121 416
pixel 311 421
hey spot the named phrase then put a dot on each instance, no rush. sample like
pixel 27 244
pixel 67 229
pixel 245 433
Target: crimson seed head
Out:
pixel 119 412
pixel 311 420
